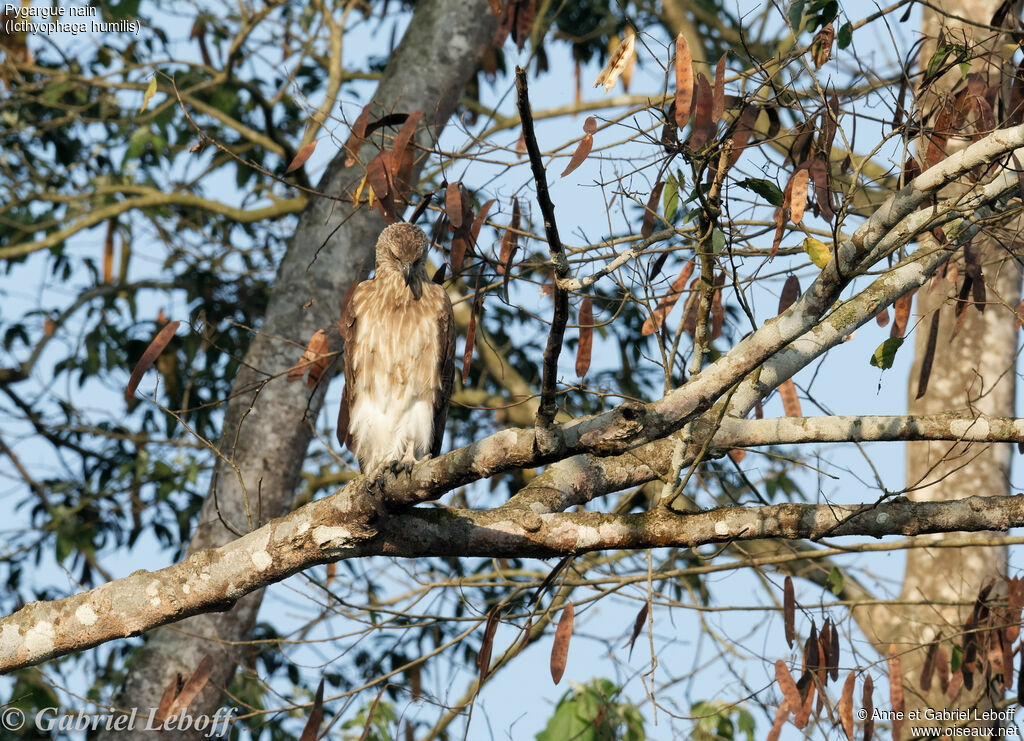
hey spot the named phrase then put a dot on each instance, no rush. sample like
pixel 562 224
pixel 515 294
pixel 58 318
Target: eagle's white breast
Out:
pixel 396 373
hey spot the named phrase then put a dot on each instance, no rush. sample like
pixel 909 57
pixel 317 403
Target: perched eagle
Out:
pixel 399 358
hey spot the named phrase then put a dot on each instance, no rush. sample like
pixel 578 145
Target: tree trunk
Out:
pixel 269 422
pixel 972 374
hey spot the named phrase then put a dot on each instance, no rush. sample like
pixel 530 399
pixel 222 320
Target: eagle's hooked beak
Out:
pixel 412 280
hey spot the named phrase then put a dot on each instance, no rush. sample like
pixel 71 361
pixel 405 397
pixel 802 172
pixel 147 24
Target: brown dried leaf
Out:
pixel 314 359
pixel 819 172
pixel 846 705
pixel 869 708
pixel 798 194
pixel 1015 603
pixel 882 317
pixel 525 11
pixel 718 99
pixel 895 691
pixel 638 626
pixel 788 687
pixel 929 356
pixel 928 668
pixel 495 6
pixel 301 156
pixel 1020 679
pixel 703 123
pixel 467 353
pixel 790 293
pixel 108 252
pixel 659 263
pixel 942 667
pixel 901 314
pixel 586 322
pixel 582 150
pixel 821 47
pixel 316 716
pixel 780 224
pixel 618 62
pixel 167 698
pixel 460 245
pixel 790 401
pixel 483 658
pixel 653 323
pixel 149 357
pixel 647 227
pixel 691 308
pixel 453 204
pixel 560 647
pixel 478 222
pixel 834 654
pixel 737 455
pixel 510 243
pixel 806 687
pixel 192 687
pixel 355 139
pixel 789 611
pixel 780 718
pixel 717 314
pixel 684 81
pixel 1020 316
pixel 744 129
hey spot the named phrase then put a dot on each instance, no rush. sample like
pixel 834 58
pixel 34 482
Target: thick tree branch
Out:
pixel 324 531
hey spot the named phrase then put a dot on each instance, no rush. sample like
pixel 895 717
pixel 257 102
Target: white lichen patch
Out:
pixel 261 560
pixel 324 534
pixel 153 588
pixel 882 518
pixel 587 537
pixel 86 615
pixel 10 639
pixel 961 427
pixel 721 528
pixel 39 639
pixel 302 527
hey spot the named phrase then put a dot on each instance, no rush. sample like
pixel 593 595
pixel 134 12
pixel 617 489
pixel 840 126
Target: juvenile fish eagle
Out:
pixel 399 358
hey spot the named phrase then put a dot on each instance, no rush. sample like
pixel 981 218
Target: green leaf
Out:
pixel 835 581
pixel 886 353
pixel 965 68
pixel 670 198
pixel 745 723
pixel 845 35
pixel 937 59
pixel 957 659
pixel 766 189
pixel 818 251
pixel 150 91
pixel 717 241
pixel 567 722
pixel 796 15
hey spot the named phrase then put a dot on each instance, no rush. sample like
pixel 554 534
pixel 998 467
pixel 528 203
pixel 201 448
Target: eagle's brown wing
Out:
pixel 347 326
pixel 446 367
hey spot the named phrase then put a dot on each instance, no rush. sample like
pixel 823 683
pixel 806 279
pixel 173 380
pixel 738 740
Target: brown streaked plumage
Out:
pixel 399 358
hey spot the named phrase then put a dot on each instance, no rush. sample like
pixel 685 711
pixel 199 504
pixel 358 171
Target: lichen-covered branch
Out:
pixel 339 527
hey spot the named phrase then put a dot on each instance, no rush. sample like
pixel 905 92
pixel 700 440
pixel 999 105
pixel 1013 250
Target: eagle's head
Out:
pixel 403 247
